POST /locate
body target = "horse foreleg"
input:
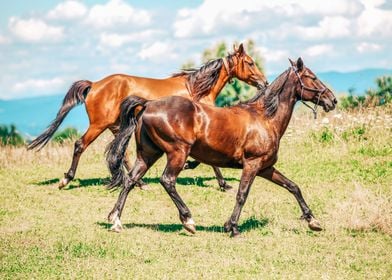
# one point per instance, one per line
(80, 146)
(174, 166)
(248, 175)
(278, 178)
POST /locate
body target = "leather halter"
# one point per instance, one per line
(226, 64)
(319, 93)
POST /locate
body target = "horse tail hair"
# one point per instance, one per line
(75, 95)
(115, 151)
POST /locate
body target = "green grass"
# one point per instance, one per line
(346, 180)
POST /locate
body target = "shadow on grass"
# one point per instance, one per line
(77, 183)
(81, 183)
(248, 225)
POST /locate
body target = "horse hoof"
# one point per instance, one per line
(314, 225)
(116, 228)
(189, 225)
(227, 227)
(64, 182)
(144, 187)
(226, 187)
(235, 234)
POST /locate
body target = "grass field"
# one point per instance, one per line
(343, 164)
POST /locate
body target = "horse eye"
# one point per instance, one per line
(251, 63)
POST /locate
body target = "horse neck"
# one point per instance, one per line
(217, 87)
(285, 109)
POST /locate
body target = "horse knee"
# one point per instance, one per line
(78, 146)
(292, 188)
(167, 183)
(241, 198)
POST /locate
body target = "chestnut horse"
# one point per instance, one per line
(245, 136)
(102, 99)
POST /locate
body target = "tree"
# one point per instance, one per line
(382, 94)
(237, 90)
(10, 136)
(372, 97)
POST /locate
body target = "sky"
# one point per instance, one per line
(46, 45)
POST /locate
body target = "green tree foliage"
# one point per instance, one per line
(10, 136)
(69, 133)
(236, 91)
(373, 97)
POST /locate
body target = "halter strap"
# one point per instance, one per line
(225, 61)
(316, 90)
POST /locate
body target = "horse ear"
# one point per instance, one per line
(291, 62)
(235, 48)
(241, 49)
(300, 64)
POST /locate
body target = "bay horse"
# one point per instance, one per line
(244, 136)
(103, 98)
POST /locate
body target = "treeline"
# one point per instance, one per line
(9, 135)
(379, 96)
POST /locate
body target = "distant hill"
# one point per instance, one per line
(32, 115)
(360, 81)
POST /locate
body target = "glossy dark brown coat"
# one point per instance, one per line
(103, 98)
(246, 136)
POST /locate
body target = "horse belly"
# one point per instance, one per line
(207, 154)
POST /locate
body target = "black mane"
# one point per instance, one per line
(270, 95)
(201, 80)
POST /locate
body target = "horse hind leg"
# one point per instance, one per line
(127, 164)
(142, 164)
(80, 146)
(223, 185)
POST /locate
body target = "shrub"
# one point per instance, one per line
(66, 134)
(323, 136)
(373, 97)
(358, 133)
(10, 136)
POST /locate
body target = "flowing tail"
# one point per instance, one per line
(115, 152)
(75, 95)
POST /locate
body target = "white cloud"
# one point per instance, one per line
(69, 9)
(318, 50)
(328, 27)
(39, 84)
(365, 47)
(375, 22)
(34, 30)
(157, 52)
(4, 40)
(211, 15)
(116, 40)
(273, 55)
(117, 12)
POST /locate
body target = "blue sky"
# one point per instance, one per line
(46, 45)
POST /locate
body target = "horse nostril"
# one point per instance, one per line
(335, 101)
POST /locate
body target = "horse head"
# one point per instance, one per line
(310, 88)
(241, 65)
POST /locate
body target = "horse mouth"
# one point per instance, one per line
(328, 107)
(262, 86)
